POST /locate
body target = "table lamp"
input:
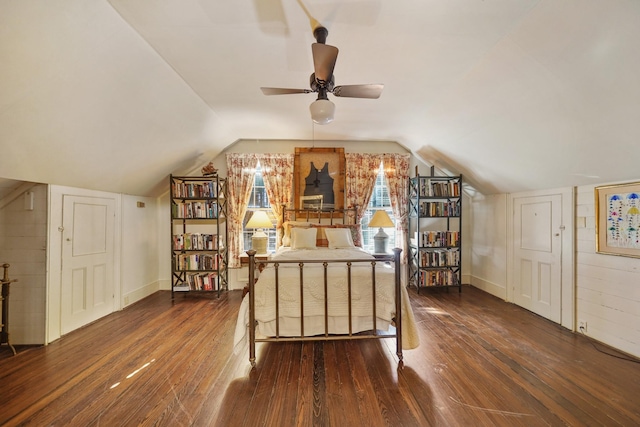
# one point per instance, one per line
(259, 221)
(382, 220)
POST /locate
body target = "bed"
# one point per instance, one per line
(320, 285)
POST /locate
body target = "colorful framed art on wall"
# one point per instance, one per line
(618, 219)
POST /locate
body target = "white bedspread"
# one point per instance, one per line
(313, 297)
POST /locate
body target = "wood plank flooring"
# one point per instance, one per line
(481, 362)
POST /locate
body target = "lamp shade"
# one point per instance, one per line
(381, 219)
(259, 219)
(259, 241)
(322, 111)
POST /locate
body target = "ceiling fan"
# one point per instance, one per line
(322, 81)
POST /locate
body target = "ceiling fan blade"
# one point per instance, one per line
(371, 91)
(324, 59)
(282, 91)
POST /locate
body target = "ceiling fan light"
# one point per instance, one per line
(322, 111)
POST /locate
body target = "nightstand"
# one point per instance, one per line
(244, 263)
(244, 260)
(385, 258)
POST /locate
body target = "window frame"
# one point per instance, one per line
(262, 204)
(383, 193)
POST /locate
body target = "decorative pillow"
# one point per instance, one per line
(356, 233)
(287, 226)
(354, 229)
(339, 238)
(303, 238)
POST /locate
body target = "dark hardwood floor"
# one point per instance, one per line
(482, 362)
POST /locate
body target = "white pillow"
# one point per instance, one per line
(288, 226)
(303, 238)
(339, 238)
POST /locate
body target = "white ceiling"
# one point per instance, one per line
(516, 95)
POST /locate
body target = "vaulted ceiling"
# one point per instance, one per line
(516, 95)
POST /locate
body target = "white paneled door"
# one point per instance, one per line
(88, 286)
(537, 254)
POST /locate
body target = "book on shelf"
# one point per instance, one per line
(195, 241)
(198, 261)
(440, 258)
(204, 189)
(435, 209)
(205, 209)
(436, 239)
(438, 278)
(202, 281)
(434, 187)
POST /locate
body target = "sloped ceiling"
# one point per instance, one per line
(516, 95)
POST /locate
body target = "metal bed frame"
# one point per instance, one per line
(374, 333)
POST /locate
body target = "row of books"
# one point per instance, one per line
(198, 282)
(440, 258)
(189, 210)
(205, 189)
(436, 239)
(196, 241)
(438, 278)
(196, 261)
(450, 208)
(429, 188)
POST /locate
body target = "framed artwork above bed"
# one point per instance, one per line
(319, 178)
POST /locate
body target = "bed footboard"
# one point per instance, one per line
(392, 260)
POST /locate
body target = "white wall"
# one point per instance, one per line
(163, 214)
(140, 251)
(608, 286)
(23, 237)
(489, 244)
(135, 245)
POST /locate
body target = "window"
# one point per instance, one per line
(379, 201)
(259, 201)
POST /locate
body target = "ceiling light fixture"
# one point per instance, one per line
(322, 111)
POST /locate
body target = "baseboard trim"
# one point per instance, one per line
(489, 287)
(140, 293)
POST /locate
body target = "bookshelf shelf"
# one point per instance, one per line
(199, 254)
(435, 225)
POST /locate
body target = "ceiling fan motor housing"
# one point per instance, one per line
(320, 34)
(316, 84)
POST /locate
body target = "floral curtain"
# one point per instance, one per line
(362, 171)
(396, 171)
(277, 172)
(241, 169)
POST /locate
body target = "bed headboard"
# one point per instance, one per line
(321, 219)
(321, 216)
